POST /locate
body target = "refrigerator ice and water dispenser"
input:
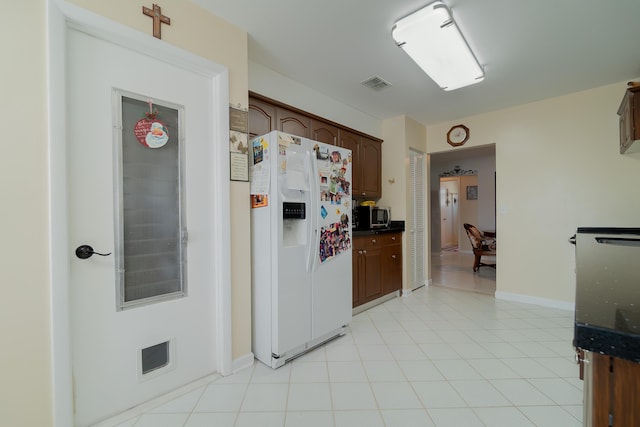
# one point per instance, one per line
(294, 231)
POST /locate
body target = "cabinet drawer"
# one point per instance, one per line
(391, 238)
(393, 254)
(368, 242)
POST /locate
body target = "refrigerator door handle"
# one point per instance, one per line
(314, 208)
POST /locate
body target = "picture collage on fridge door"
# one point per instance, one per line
(335, 201)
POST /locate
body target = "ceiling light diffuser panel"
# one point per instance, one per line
(432, 39)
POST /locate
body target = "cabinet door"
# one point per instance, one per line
(626, 400)
(626, 121)
(367, 270)
(372, 280)
(371, 166)
(262, 118)
(351, 141)
(324, 132)
(601, 389)
(629, 112)
(294, 123)
(391, 268)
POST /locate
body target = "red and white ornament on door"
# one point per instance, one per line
(151, 132)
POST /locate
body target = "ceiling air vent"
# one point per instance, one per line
(376, 83)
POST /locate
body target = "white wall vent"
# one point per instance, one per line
(376, 83)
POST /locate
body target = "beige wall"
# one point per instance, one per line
(25, 358)
(558, 168)
(394, 179)
(274, 85)
(400, 134)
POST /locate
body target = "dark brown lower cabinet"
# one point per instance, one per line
(392, 263)
(377, 266)
(367, 277)
(612, 391)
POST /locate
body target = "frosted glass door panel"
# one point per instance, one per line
(151, 255)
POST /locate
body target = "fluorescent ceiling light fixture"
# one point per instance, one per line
(432, 39)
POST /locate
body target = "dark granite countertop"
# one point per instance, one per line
(394, 227)
(611, 342)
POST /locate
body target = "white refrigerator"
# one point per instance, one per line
(301, 245)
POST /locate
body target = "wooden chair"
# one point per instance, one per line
(482, 245)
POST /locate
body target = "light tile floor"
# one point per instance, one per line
(440, 357)
(453, 269)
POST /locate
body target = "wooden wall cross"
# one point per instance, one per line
(158, 18)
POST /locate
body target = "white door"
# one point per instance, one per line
(449, 212)
(416, 240)
(108, 341)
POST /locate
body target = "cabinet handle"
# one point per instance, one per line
(579, 360)
(393, 238)
(393, 256)
(364, 251)
(373, 241)
(360, 252)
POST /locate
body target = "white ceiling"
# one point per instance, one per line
(530, 50)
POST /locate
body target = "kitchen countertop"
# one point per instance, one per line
(611, 330)
(611, 342)
(394, 227)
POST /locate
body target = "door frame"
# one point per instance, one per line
(61, 16)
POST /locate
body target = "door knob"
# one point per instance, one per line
(85, 251)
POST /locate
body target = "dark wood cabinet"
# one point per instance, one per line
(292, 122)
(377, 266)
(370, 159)
(629, 113)
(266, 115)
(367, 275)
(611, 391)
(351, 141)
(262, 118)
(367, 165)
(392, 263)
(324, 132)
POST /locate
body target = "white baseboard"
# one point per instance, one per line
(242, 362)
(408, 292)
(366, 306)
(239, 364)
(147, 406)
(545, 302)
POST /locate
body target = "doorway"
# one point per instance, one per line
(465, 179)
(154, 359)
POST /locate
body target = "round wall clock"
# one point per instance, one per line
(457, 135)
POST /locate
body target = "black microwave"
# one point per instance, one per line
(371, 217)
